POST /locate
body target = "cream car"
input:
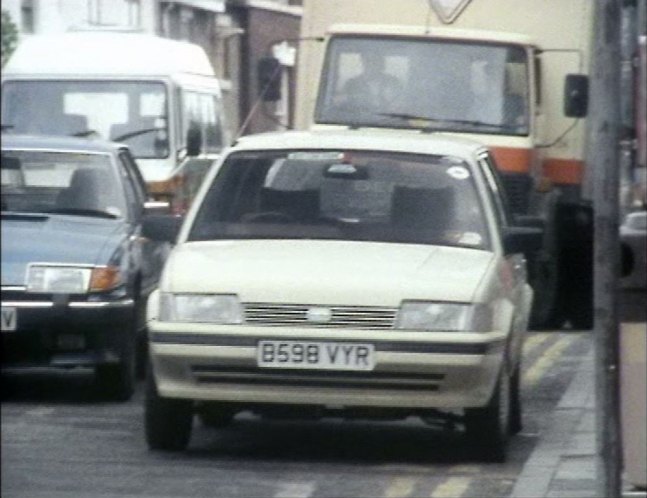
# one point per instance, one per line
(347, 274)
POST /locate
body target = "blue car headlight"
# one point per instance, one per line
(71, 279)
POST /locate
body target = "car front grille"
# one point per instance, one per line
(302, 315)
(206, 374)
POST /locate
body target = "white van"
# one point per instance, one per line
(159, 96)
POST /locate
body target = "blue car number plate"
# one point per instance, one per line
(315, 355)
(8, 319)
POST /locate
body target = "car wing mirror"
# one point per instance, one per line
(526, 240)
(157, 207)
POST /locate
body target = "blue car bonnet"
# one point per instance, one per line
(55, 239)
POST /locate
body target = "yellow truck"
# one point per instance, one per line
(511, 74)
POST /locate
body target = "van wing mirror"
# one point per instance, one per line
(269, 79)
(193, 141)
(576, 95)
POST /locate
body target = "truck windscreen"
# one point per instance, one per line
(465, 87)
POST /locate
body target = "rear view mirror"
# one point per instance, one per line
(576, 95)
(269, 79)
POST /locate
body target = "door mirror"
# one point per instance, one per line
(576, 95)
(157, 207)
(161, 228)
(193, 141)
(526, 240)
(269, 79)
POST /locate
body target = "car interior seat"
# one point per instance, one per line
(424, 209)
(72, 124)
(301, 205)
(84, 191)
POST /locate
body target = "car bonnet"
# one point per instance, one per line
(54, 239)
(331, 272)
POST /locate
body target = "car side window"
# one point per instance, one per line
(135, 175)
(135, 197)
(495, 190)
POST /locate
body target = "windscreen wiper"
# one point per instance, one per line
(83, 212)
(439, 121)
(86, 133)
(135, 133)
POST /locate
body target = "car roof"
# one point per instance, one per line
(374, 139)
(43, 142)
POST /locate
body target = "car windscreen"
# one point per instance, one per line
(61, 182)
(343, 195)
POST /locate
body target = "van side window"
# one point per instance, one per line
(203, 110)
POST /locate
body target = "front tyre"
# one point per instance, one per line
(167, 421)
(516, 423)
(488, 428)
(117, 382)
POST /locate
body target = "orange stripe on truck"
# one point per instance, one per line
(564, 171)
(512, 160)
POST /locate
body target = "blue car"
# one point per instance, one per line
(76, 270)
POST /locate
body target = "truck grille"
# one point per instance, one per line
(303, 315)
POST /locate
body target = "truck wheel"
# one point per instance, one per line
(488, 428)
(581, 310)
(576, 248)
(546, 311)
(167, 421)
(117, 382)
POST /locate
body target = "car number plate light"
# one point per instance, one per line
(315, 355)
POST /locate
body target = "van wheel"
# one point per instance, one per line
(167, 421)
(488, 428)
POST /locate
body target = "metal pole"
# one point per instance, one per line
(603, 153)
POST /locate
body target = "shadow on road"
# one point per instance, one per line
(56, 387)
(352, 442)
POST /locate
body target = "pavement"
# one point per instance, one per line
(564, 462)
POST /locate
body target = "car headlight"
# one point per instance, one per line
(71, 279)
(205, 308)
(438, 316)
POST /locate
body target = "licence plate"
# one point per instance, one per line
(315, 355)
(8, 319)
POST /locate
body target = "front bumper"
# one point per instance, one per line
(412, 369)
(65, 334)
